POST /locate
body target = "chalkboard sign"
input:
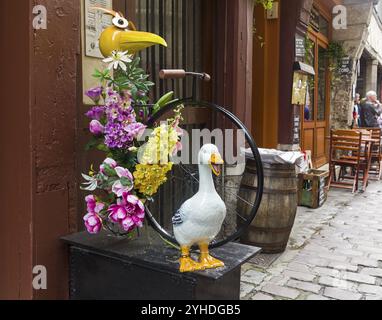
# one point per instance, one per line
(346, 66)
(300, 47)
(296, 129)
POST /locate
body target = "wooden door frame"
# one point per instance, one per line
(319, 40)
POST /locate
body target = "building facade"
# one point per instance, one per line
(44, 129)
(306, 32)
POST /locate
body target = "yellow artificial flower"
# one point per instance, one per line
(160, 146)
(149, 178)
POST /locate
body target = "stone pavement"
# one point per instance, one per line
(335, 252)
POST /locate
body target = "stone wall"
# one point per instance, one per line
(353, 38)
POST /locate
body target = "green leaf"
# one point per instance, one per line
(126, 182)
(103, 147)
(109, 170)
(164, 101)
(93, 143)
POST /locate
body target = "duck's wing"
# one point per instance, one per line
(178, 218)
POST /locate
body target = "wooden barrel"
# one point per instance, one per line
(273, 224)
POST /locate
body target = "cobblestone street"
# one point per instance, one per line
(334, 252)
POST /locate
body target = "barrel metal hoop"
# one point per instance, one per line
(270, 191)
(273, 174)
(270, 248)
(272, 230)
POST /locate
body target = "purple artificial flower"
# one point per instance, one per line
(93, 223)
(96, 128)
(127, 98)
(129, 212)
(96, 113)
(113, 98)
(125, 184)
(116, 113)
(94, 93)
(136, 130)
(117, 137)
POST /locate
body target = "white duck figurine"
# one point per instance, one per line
(200, 219)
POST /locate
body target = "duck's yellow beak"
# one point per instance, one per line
(216, 162)
(135, 41)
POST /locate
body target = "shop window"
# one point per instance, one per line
(309, 105)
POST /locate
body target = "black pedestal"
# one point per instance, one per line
(103, 267)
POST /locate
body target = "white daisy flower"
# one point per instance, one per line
(118, 59)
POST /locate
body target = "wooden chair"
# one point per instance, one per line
(376, 153)
(346, 152)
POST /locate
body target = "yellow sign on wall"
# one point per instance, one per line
(300, 87)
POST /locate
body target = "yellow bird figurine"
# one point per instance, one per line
(123, 36)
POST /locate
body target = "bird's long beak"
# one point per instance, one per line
(135, 41)
(216, 162)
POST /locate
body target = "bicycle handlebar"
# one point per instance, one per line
(181, 74)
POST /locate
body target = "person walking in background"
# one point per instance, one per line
(371, 110)
(357, 111)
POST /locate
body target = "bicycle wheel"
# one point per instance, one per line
(183, 181)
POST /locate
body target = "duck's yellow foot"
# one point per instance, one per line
(209, 262)
(189, 265)
(186, 263)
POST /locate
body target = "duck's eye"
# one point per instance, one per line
(120, 22)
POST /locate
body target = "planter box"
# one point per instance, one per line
(103, 267)
(313, 189)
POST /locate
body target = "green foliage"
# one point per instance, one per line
(133, 79)
(267, 4)
(335, 55)
(309, 45)
(102, 76)
(136, 80)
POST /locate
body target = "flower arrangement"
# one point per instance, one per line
(133, 169)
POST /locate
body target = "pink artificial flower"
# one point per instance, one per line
(110, 162)
(96, 128)
(129, 212)
(178, 147)
(124, 173)
(93, 223)
(125, 184)
(94, 206)
(118, 212)
(92, 220)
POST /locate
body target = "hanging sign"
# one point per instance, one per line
(95, 23)
(346, 66)
(315, 19)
